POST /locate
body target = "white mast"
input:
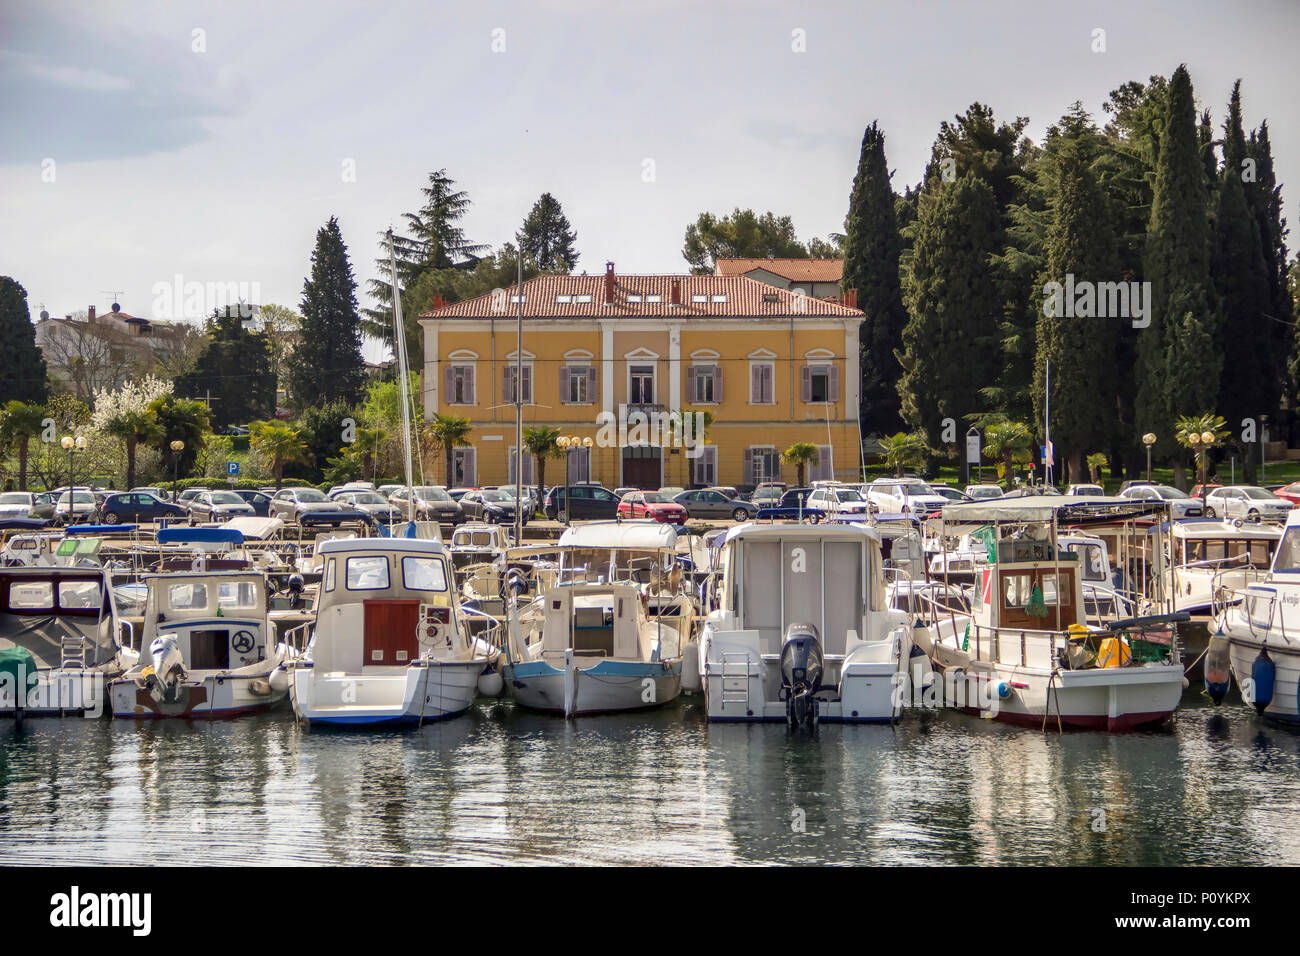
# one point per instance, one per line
(399, 340)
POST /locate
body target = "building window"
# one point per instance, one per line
(579, 465)
(508, 384)
(824, 469)
(704, 384)
(527, 478)
(462, 467)
(704, 469)
(577, 384)
(761, 389)
(460, 385)
(762, 463)
(641, 389)
(821, 384)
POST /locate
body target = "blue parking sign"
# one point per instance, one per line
(232, 467)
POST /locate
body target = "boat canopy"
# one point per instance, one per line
(811, 532)
(624, 536)
(254, 528)
(409, 545)
(1066, 509)
(1218, 529)
(231, 536)
(97, 529)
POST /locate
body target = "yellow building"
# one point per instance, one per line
(772, 366)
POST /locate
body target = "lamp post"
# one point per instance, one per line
(177, 447)
(563, 514)
(70, 445)
(1149, 439)
(1207, 440)
(1263, 441)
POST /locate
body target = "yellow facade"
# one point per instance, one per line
(808, 391)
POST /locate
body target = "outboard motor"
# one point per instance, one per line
(163, 679)
(296, 585)
(801, 674)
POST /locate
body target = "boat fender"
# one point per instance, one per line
(1263, 672)
(1217, 668)
(490, 683)
(260, 687)
(279, 680)
(691, 667)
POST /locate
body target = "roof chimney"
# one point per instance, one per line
(675, 295)
(90, 314)
(438, 302)
(851, 298)
(609, 283)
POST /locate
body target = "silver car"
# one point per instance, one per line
(371, 503)
(17, 504)
(1246, 501)
(295, 504)
(218, 506)
(432, 503)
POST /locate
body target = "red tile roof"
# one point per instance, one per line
(796, 270)
(744, 298)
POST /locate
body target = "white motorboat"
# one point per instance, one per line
(803, 631)
(387, 645)
(207, 649)
(61, 641)
(1206, 556)
(1025, 653)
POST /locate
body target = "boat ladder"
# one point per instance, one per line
(735, 680)
(72, 652)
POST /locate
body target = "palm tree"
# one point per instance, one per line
(184, 420)
(366, 448)
(902, 449)
(1190, 432)
(540, 442)
(448, 432)
(1095, 464)
(134, 427)
(1005, 439)
(20, 422)
(279, 444)
(800, 454)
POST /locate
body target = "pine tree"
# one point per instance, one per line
(1081, 348)
(434, 241)
(327, 364)
(22, 366)
(950, 343)
(233, 373)
(871, 250)
(548, 238)
(1179, 364)
(1250, 382)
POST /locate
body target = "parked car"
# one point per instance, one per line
(1290, 492)
(1181, 504)
(909, 496)
(766, 496)
(189, 494)
(218, 506)
(1135, 482)
(672, 491)
(712, 503)
(793, 505)
(371, 503)
(1086, 490)
(491, 505)
(581, 503)
(159, 493)
(74, 507)
(651, 504)
(455, 494)
(17, 504)
(1199, 491)
(984, 492)
(259, 501)
(43, 506)
(309, 506)
(620, 492)
(1246, 501)
(840, 500)
(137, 506)
(387, 490)
(432, 503)
(951, 493)
(529, 496)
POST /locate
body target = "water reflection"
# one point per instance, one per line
(504, 785)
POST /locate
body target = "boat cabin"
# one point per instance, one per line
(218, 619)
(64, 617)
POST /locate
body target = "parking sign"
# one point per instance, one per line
(232, 468)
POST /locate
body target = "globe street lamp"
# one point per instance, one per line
(177, 447)
(563, 513)
(1207, 439)
(1149, 439)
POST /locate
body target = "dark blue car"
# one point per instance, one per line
(260, 501)
(136, 506)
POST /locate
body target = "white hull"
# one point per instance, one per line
(603, 688)
(380, 695)
(1242, 651)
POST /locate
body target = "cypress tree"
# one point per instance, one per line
(235, 370)
(1249, 386)
(1080, 347)
(950, 344)
(22, 366)
(327, 365)
(1179, 364)
(871, 250)
(1264, 198)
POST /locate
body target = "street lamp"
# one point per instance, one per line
(177, 447)
(1149, 439)
(70, 445)
(1207, 439)
(569, 443)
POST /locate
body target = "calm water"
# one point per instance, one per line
(501, 785)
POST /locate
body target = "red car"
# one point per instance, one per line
(1197, 489)
(651, 504)
(1290, 492)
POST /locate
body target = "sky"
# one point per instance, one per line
(149, 146)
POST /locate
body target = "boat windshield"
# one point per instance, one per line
(1288, 552)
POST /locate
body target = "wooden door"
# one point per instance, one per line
(390, 627)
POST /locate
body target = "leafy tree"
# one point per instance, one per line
(1189, 431)
(125, 414)
(742, 234)
(500, 270)
(183, 420)
(327, 364)
(22, 366)
(234, 373)
(903, 449)
(1096, 462)
(800, 454)
(20, 422)
(547, 237)
(1006, 439)
(323, 428)
(872, 247)
(279, 444)
(446, 433)
(950, 343)
(540, 443)
(1179, 365)
(282, 328)
(365, 450)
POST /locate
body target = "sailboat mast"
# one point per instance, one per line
(399, 339)
(519, 404)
